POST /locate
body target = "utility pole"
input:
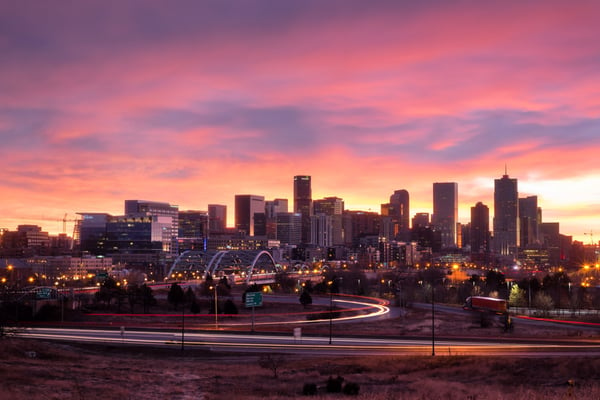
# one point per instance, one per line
(432, 320)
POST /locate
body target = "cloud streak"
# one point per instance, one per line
(202, 100)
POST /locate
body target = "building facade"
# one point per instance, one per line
(217, 218)
(158, 209)
(506, 216)
(303, 203)
(246, 206)
(445, 212)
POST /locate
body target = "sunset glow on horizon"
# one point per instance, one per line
(193, 102)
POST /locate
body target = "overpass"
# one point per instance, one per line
(242, 266)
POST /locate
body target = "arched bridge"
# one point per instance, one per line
(248, 266)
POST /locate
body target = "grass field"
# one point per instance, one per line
(61, 371)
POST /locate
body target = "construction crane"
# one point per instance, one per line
(64, 221)
(591, 235)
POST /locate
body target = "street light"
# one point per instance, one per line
(432, 319)
(330, 284)
(216, 307)
(182, 324)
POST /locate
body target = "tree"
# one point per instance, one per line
(229, 307)
(272, 362)
(176, 295)
(556, 286)
(133, 293)
(190, 296)
(517, 297)
(305, 298)
(543, 302)
(195, 307)
(495, 281)
(147, 296)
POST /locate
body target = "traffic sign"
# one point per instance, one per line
(253, 299)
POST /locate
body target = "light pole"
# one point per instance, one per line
(330, 283)
(432, 319)
(216, 307)
(330, 311)
(182, 323)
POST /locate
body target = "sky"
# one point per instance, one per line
(192, 102)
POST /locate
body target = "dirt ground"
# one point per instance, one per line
(42, 370)
(47, 370)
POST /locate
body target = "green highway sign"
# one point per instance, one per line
(253, 299)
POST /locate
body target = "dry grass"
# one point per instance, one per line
(67, 372)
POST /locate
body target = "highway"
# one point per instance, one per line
(341, 346)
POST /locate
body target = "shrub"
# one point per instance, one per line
(351, 389)
(334, 385)
(309, 389)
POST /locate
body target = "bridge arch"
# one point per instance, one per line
(195, 262)
(244, 263)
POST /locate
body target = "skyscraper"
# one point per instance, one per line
(480, 229)
(530, 218)
(217, 217)
(193, 230)
(246, 206)
(272, 209)
(303, 203)
(333, 207)
(506, 216)
(445, 211)
(157, 209)
(289, 227)
(398, 211)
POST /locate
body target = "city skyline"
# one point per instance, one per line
(196, 103)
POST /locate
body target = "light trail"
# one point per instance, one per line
(310, 345)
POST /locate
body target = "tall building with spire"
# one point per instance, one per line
(445, 212)
(506, 216)
(303, 203)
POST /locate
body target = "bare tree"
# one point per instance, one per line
(272, 362)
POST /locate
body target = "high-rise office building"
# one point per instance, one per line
(333, 207)
(272, 208)
(530, 218)
(445, 211)
(289, 227)
(321, 230)
(398, 211)
(217, 218)
(154, 208)
(506, 216)
(329, 206)
(359, 224)
(193, 230)
(480, 229)
(420, 220)
(138, 233)
(303, 203)
(246, 206)
(92, 229)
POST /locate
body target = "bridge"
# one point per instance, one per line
(242, 266)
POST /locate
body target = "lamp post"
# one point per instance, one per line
(216, 307)
(330, 311)
(330, 283)
(182, 324)
(432, 319)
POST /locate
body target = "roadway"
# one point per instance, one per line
(340, 346)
